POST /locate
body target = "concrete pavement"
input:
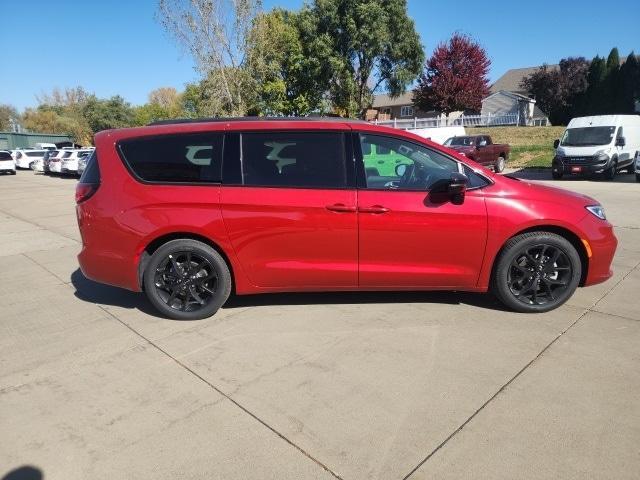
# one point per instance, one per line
(350, 386)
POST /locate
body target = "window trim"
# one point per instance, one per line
(234, 165)
(141, 180)
(361, 183)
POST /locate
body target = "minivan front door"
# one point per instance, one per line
(292, 217)
(406, 240)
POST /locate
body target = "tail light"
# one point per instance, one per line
(84, 191)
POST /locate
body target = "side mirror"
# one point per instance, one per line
(483, 143)
(556, 143)
(449, 189)
(401, 169)
(621, 142)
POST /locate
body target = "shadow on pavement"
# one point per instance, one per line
(93, 292)
(26, 472)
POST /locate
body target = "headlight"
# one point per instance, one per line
(597, 210)
(602, 156)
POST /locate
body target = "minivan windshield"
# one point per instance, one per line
(587, 136)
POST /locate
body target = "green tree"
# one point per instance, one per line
(287, 80)
(610, 96)
(8, 115)
(593, 102)
(627, 85)
(103, 114)
(361, 45)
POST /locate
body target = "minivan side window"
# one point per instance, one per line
(186, 158)
(407, 166)
(294, 159)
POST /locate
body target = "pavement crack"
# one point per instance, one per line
(587, 310)
(223, 394)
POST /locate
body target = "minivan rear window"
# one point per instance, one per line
(189, 158)
(91, 173)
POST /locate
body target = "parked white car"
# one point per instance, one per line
(637, 166)
(24, 158)
(7, 163)
(38, 165)
(69, 163)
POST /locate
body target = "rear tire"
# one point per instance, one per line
(500, 164)
(556, 175)
(187, 280)
(536, 272)
(637, 177)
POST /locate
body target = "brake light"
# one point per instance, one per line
(84, 191)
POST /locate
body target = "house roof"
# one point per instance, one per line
(385, 100)
(514, 95)
(512, 79)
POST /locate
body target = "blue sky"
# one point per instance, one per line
(117, 47)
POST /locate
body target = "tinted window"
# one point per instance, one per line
(191, 158)
(294, 159)
(407, 166)
(66, 154)
(475, 180)
(5, 156)
(91, 173)
(35, 154)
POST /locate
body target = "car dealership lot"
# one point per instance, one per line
(431, 385)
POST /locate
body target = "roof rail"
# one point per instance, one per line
(257, 119)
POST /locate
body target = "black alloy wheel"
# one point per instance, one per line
(539, 274)
(536, 272)
(187, 280)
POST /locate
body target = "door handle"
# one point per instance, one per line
(374, 209)
(340, 207)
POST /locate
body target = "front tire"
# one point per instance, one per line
(637, 177)
(556, 175)
(610, 173)
(536, 272)
(187, 280)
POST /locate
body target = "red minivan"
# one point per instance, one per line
(188, 211)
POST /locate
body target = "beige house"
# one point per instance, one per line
(386, 107)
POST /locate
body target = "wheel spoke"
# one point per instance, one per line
(523, 269)
(196, 297)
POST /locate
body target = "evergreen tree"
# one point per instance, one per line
(610, 97)
(627, 89)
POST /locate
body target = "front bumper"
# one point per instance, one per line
(602, 243)
(566, 166)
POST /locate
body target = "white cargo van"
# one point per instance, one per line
(604, 144)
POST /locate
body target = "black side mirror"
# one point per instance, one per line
(449, 189)
(621, 142)
(556, 143)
